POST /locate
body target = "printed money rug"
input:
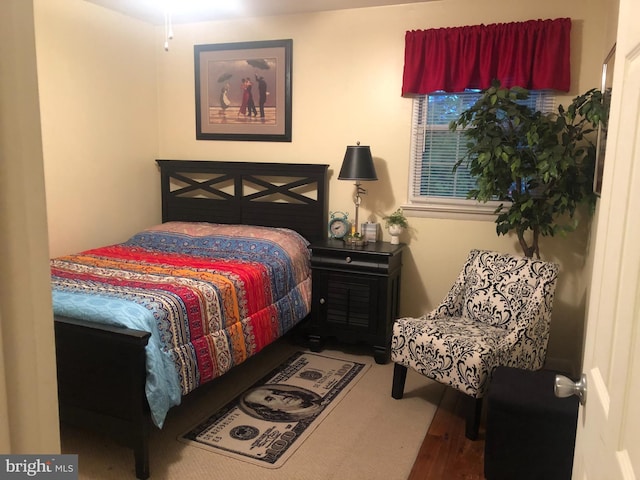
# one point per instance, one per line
(265, 424)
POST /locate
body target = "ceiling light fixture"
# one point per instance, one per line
(189, 11)
(168, 29)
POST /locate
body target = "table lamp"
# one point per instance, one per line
(357, 165)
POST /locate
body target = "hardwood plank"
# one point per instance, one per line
(446, 454)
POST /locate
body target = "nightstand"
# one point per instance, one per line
(356, 294)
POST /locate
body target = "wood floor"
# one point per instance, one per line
(446, 454)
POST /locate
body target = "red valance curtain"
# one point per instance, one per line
(532, 54)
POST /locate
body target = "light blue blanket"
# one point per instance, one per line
(163, 385)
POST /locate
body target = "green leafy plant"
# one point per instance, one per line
(541, 164)
(396, 218)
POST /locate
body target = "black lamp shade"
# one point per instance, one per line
(357, 164)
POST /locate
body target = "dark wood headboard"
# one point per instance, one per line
(292, 195)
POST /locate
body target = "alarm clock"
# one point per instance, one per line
(339, 225)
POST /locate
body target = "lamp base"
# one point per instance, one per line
(355, 241)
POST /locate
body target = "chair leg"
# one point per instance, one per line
(474, 413)
(399, 377)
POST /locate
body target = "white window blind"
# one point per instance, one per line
(435, 149)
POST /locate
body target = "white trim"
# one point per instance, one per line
(458, 209)
(625, 465)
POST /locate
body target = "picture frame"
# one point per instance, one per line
(243, 91)
(601, 139)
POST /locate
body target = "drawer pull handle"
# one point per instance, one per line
(322, 301)
(348, 259)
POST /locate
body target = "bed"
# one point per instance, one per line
(140, 324)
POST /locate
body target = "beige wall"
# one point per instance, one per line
(28, 389)
(113, 101)
(97, 77)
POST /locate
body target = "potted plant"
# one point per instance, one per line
(396, 223)
(540, 166)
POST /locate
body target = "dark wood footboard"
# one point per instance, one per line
(101, 383)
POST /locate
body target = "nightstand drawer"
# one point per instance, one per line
(376, 257)
(354, 261)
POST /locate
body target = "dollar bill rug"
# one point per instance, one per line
(265, 424)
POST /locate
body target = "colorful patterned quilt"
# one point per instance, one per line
(211, 295)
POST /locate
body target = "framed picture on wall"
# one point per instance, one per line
(243, 91)
(601, 142)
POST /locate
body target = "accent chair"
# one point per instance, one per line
(497, 313)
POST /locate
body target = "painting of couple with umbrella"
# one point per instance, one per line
(243, 91)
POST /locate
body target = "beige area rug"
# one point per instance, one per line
(368, 435)
(265, 424)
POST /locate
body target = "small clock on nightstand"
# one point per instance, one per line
(339, 225)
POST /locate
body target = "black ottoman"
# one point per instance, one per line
(530, 432)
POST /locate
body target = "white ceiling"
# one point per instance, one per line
(152, 11)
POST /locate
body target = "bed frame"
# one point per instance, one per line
(101, 369)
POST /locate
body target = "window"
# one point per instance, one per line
(435, 149)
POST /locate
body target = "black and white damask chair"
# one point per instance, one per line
(496, 314)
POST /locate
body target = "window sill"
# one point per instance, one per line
(452, 209)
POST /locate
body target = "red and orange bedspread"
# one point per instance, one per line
(211, 295)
